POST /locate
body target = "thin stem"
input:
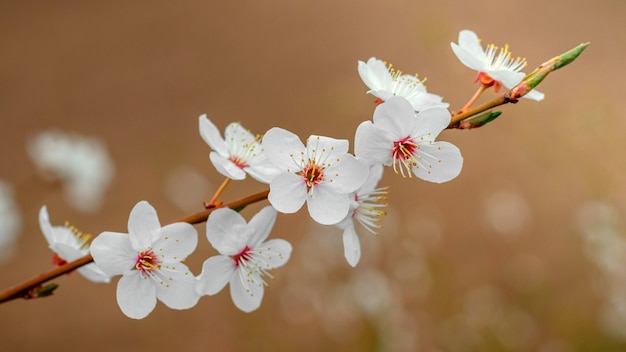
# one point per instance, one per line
(469, 104)
(23, 288)
(218, 193)
(504, 99)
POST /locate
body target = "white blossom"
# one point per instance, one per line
(149, 258)
(238, 153)
(401, 137)
(323, 174)
(245, 256)
(494, 68)
(384, 82)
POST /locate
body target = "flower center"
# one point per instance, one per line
(404, 148)
(403, 153)
(312, 174)
(239, 162)
(147, 261)
(242, 257)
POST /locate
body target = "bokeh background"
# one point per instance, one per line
(524, 251)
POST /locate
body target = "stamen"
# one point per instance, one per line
(147, 261)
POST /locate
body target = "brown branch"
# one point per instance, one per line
(23, 289)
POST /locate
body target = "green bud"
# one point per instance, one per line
(479, 120)
(533, 79)
(41, 291)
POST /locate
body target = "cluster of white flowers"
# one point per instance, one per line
(337, 186)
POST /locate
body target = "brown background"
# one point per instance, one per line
(439, 277)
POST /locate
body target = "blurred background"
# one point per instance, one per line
(524, 251)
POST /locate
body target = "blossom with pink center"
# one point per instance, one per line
(245, 256)
(238, 153)
(384, 82)
(404, 139)
(69, 244)
(149, 258)
(322, 174)
(494, 68)
(365, 209)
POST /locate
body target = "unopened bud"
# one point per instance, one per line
(533, 79)
(41, 291)
(479, 120)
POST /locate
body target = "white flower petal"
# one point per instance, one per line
(216, 273)
(236, 136)
(226, 167)
(326, 147)
(509, 79)
(375, 74)
(56, 234)
(396, 115)
(427, 100)
(177, 288)
(440, 162)
(262, 223)
(68, 252)
(534, 95)
(373, 144)
(176, 241)
(351, 245)
(328, 207)
(283, 149)
(469, 51)
(94, 274)
(136, 296)
(227, 231)
(143, 225)
(211, 135)
(275, 253)
(113, 253)
(374, 175)
(263, 171)
(287, 193)
(45, 225)
(430, 123)
(346, 175)
(246, 291)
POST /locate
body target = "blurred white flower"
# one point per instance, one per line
(81, 163)
(69, 244)
(10, 220)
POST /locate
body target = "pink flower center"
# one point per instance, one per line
(405, 154)
(404, 148)
(240, 163)
(242, 256)
(147, 261)
(312, 175)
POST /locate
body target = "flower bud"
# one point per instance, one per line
(480, 120)
(533, 79)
